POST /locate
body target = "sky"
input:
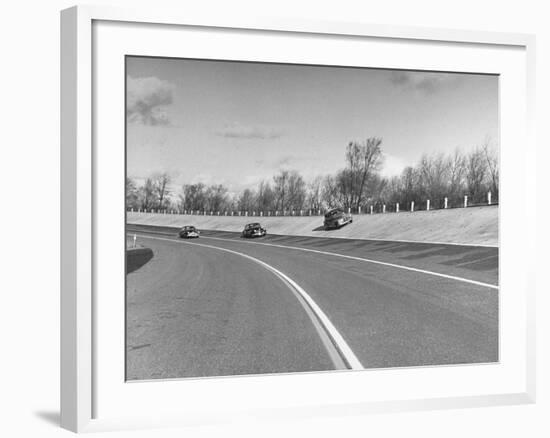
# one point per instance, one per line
(237, 123)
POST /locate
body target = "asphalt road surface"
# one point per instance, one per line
(222, 305)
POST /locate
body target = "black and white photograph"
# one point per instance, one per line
(290, 218)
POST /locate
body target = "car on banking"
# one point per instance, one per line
(253, 230)
(336, 218)
(189, 232)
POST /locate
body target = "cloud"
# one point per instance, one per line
(424, 82)
(147, 99)
(236, 130)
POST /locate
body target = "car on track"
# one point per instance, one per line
(336, 218)
(189, 232)
(254, 230)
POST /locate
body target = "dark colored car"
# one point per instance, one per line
(254, 230)
(189, 232)
(337, 218)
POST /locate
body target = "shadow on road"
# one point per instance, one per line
(136, 258)
(320, 228)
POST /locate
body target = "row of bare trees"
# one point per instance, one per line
(436, 177)
(357, 185)
(154, 194)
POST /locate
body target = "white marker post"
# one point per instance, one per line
(489, 198)
(465, 201)
(428, 205)
(446, 202)
(371, 208)
(412, 206)
(384, 208)
(135, 238)
(397, 207)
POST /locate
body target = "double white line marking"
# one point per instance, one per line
(338, 349)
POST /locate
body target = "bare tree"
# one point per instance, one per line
(314, 193)
(281, 189)
(330, 193)
(476, 171)
(161, 184)
(409, 185)
(193, 197)
(491, 158)
(131, 194)
(216, 197)
(247, 200)
(296, 191)
(457, 170)
(147, 194)
(363, 160)
(433, 173)
(266, 197)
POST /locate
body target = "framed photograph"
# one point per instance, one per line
(281, 218)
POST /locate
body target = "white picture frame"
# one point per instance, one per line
(80, 219)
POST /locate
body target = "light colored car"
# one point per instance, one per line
(189, 232)
(337, 218)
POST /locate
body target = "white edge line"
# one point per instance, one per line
(377, 262)
(337, 338)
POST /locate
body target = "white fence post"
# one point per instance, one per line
(359, 210)
(371, 208)
(489, 198)
(412, 206)
(428, 205)
(384, 208)
(465, 201)
(397, 207)
(446, 202)
(349, 210)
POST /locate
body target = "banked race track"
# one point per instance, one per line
(223, 305)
